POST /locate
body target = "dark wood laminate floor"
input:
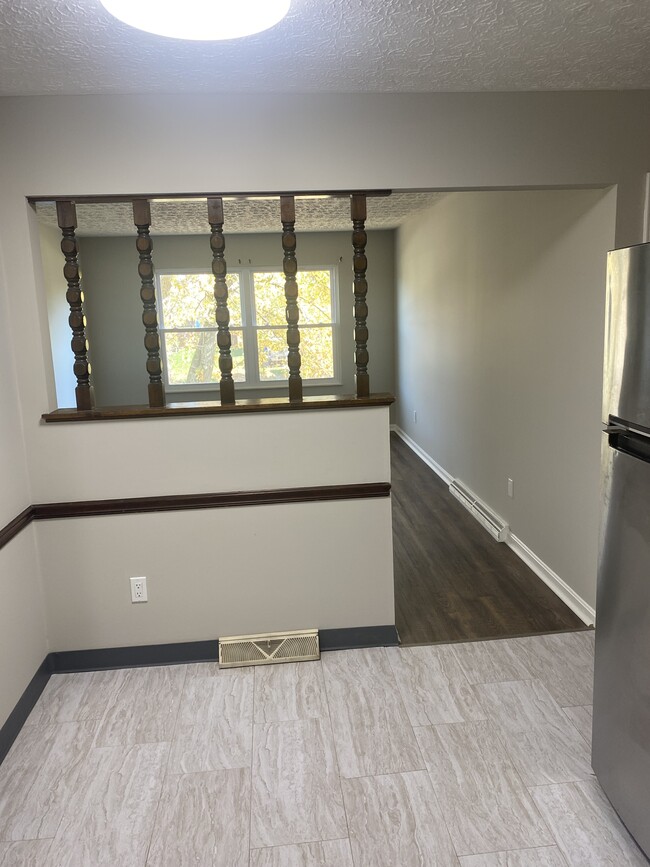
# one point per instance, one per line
(453, 582)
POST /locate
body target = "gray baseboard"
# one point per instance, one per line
(16, 719)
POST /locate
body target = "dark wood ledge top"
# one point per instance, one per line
(210, 407)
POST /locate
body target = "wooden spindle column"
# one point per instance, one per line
(360, 265)
(67, 219)
(220, 269)
(144, 246)
(290, 266)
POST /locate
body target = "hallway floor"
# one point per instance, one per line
(463, 755)
(453, 582)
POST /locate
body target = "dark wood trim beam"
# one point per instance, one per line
(182, 502)
(11, 530)
(100, 200)
(209, 407)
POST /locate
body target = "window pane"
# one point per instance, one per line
(270, 302)
(317, 353)
(193, 357)
(272, 353)
(315, 350)
(188, 300)
(314, 297)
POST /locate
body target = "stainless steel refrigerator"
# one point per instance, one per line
(621, 733)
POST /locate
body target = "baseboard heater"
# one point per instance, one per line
(495, 525)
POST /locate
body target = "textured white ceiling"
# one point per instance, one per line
(242, 215)
(73, 47)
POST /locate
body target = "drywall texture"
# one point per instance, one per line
(500, 329)
(217, 572)
(114, 309)
(14, 489)
(22, 624)
(207, 454)
(23, 645)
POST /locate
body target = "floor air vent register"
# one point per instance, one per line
(270, 647)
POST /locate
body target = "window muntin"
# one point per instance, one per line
(257, 326)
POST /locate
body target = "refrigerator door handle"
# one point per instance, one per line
(614, 428)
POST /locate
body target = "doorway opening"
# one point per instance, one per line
(500, 305)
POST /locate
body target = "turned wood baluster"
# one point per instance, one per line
(290, 266)
(220, 269)
(67, 219)
(144, 246)
(360, 264)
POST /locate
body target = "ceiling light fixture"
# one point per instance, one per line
(199, 19)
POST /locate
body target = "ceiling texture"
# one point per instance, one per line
(336, 46)
(242, 215)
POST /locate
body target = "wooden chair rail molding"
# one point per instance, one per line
(185, 502)
(215, 220)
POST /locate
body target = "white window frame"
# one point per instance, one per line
(249, 329)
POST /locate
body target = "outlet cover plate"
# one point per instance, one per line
(139, 589)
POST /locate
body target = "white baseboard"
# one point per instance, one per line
(567, 594)
(428, 460)
(561, 589)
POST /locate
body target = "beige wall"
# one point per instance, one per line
(85, 145)
(217, 572)
(22, 624)
(114, 308)
(88, 145)
(206, 454)
(23, 643)
(500, 336)
(14, 486)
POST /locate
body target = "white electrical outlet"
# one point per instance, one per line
(511, 488)
(139, 590)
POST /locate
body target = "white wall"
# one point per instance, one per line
(500, 334)
(114, 309)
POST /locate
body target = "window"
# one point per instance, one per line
(186, 310)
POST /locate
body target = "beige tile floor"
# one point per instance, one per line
(466, 755)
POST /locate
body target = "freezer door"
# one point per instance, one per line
(626, 393)
(621, 735)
